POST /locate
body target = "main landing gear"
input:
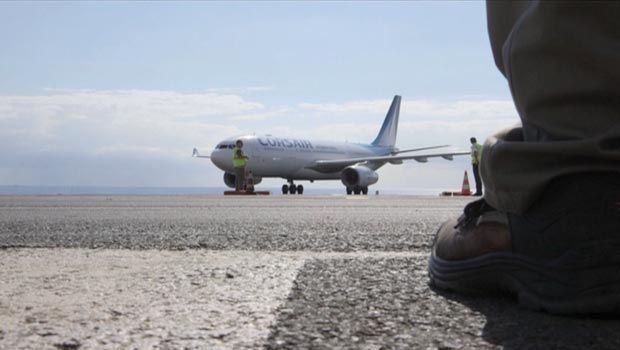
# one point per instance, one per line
(292, 189)
(357, 190)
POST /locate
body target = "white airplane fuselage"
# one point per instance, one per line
(289, 158)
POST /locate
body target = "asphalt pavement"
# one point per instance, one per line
(274, 272)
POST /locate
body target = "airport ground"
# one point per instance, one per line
(277, 272)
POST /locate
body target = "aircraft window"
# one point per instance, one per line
(231, 146)
(222, 146)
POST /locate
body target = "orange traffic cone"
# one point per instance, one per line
(465, 190)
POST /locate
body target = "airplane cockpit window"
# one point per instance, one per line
(225, 146)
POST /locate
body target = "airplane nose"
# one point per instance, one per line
(219, 158)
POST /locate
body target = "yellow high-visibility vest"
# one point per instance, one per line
(238, 162)
(476, 153)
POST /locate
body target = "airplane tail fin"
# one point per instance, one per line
(387, 134)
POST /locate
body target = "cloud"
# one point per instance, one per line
(421, 120)
(123, 104)
(454, 109)
(459, 109)
(116, 121)
(118, 126)
(372, 106)
(241, 90)
(271, 114)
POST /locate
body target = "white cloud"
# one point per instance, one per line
(372, 106)
(271, 113)
(458, 108)
(422, 121)
(241, 90)
(124, 104)
(102, 121)
(140, 124)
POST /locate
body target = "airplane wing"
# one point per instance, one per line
(196, 154)
(333, 165)
(418, 149)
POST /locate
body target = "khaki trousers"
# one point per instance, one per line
(239, 178)
(562, 63)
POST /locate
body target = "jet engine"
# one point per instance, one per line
(229, 180)
(358, 175)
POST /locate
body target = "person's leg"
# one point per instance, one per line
(548, 228)
(477, 178)
(238, 179)
(241, 178)
(561, 62)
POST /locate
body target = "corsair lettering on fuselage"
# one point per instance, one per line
(284, 143)
(295, 159)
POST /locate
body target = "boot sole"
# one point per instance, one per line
(575, 283)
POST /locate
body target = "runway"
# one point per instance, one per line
(277, 272)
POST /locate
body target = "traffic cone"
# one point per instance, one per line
(465, 190)
(249, 182)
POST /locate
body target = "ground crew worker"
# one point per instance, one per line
(239, 162)
(476, 154)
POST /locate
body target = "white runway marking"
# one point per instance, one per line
(108, 299)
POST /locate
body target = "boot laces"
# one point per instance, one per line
(472, 212)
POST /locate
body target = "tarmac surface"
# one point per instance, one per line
(276, 272)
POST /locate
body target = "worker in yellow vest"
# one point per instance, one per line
(240, 160)
(476, 155)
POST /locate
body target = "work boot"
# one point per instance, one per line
(561, 256)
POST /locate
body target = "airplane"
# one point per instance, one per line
(295, 159)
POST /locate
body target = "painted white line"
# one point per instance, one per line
(109, 299)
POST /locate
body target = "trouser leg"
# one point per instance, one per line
(561, 62)
(477, 178)
(239, 178)
(237, 181)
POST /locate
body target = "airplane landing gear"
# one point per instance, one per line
(292, 188)
(357, 190)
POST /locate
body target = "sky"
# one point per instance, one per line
(118, 93)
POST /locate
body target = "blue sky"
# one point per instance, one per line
(118, 93)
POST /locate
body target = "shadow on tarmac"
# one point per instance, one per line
(387, 303)
(515, 328)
